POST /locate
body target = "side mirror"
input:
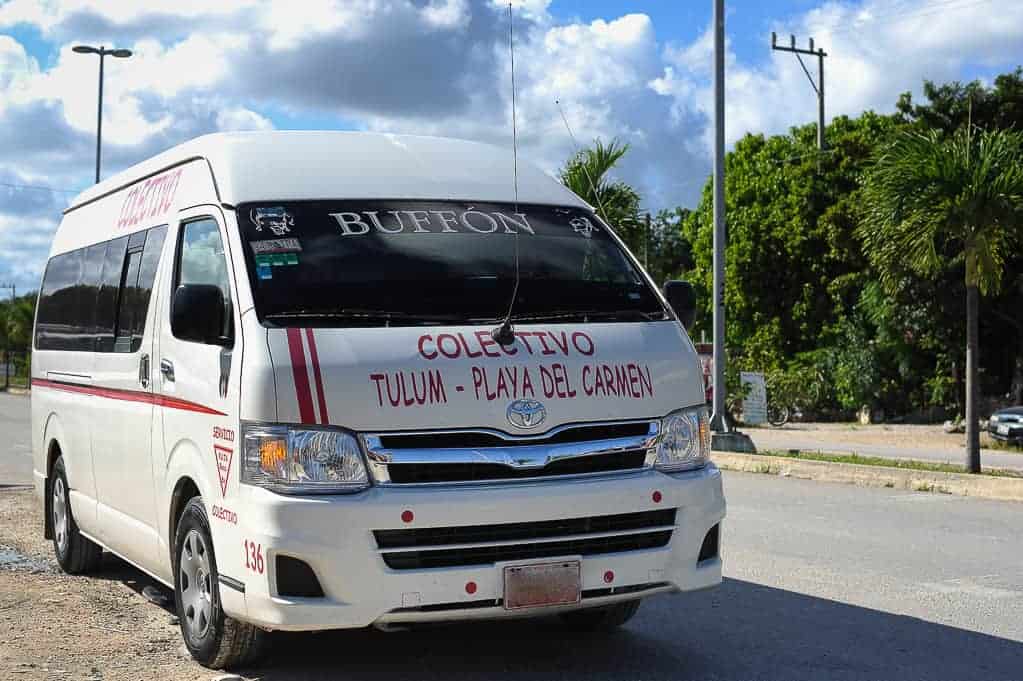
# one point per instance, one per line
(682, 299)
(198, 314)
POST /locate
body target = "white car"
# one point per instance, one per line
(325, 380)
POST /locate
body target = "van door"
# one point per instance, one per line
(122, 414)
(199, 381)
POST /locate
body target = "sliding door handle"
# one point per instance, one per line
(167, 369)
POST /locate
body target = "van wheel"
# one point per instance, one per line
(76, 555)
(213, 639)
(606, 618)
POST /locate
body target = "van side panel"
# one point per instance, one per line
(101, 403)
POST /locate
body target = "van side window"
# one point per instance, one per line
(109, 290)
(201, 260)
(136, 288)
(57, 322)
(95, 298)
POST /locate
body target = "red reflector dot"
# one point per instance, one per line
(656, 496)
(609, 577)
(407, 516)
(470, 588)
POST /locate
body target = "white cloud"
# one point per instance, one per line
(440, 67)
(875, 53)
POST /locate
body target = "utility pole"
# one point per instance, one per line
(102, 51)
(7, 340)
(818, 87)
(719, 421)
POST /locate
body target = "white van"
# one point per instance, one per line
(284, 374)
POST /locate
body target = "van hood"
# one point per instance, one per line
(416, 378)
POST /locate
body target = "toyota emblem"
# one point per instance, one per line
(526, 413)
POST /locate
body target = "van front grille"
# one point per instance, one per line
(485, 456)
(469, 472)
(486, 544)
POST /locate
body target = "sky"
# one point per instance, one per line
(638, 71)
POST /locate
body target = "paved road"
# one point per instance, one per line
(804, 436)
(822, 582)
(15, 446)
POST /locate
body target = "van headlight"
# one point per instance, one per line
(295, 460)
(684, 441)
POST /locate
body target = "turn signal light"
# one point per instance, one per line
(272, 453)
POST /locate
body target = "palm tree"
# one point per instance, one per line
(617, 203)
(931, 201)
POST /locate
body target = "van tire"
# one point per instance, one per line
(75, 554)
(604, 618)
(215, 640)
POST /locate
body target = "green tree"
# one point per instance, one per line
(931, 199)
(20, 314)
(588, 175)
(794, 266)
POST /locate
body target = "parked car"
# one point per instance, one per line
(1006, 425)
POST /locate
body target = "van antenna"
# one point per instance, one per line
(577, 150)
(505, 333)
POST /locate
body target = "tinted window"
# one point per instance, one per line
(375, 263)
(57, 325)
(136, 289)
(202, 261)
(92, 273)
(110, 287)
(96, 298)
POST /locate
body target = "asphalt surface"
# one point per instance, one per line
(803, 436)
(15, 446)
(822, 582)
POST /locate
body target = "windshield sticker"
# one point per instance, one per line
(277, 259)
(470, 221)
(582, 226)
(288, 245)
(275, 218)
(264, 271)
(586, 377)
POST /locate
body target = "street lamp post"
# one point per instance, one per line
(102, 52)
(725, 436)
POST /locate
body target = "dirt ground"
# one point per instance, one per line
(54, 626)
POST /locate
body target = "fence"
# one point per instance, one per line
(15, 366)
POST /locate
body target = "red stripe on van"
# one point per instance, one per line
(324, 419)
(298, 372)
(126, 396)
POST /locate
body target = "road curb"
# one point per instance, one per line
(962, 484)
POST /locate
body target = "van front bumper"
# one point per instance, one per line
(335, 536)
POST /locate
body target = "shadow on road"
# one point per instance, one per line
(740, 631)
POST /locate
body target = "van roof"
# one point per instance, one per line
(308, 165)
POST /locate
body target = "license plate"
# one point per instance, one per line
(1003, 429)
(534, 586)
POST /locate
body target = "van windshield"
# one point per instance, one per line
(408, 263)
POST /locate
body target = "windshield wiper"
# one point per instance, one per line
(386, 317)
(627, 315)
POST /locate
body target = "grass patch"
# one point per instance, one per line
(1003, 446)
(909, 464)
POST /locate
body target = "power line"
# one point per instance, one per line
(39, 187)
